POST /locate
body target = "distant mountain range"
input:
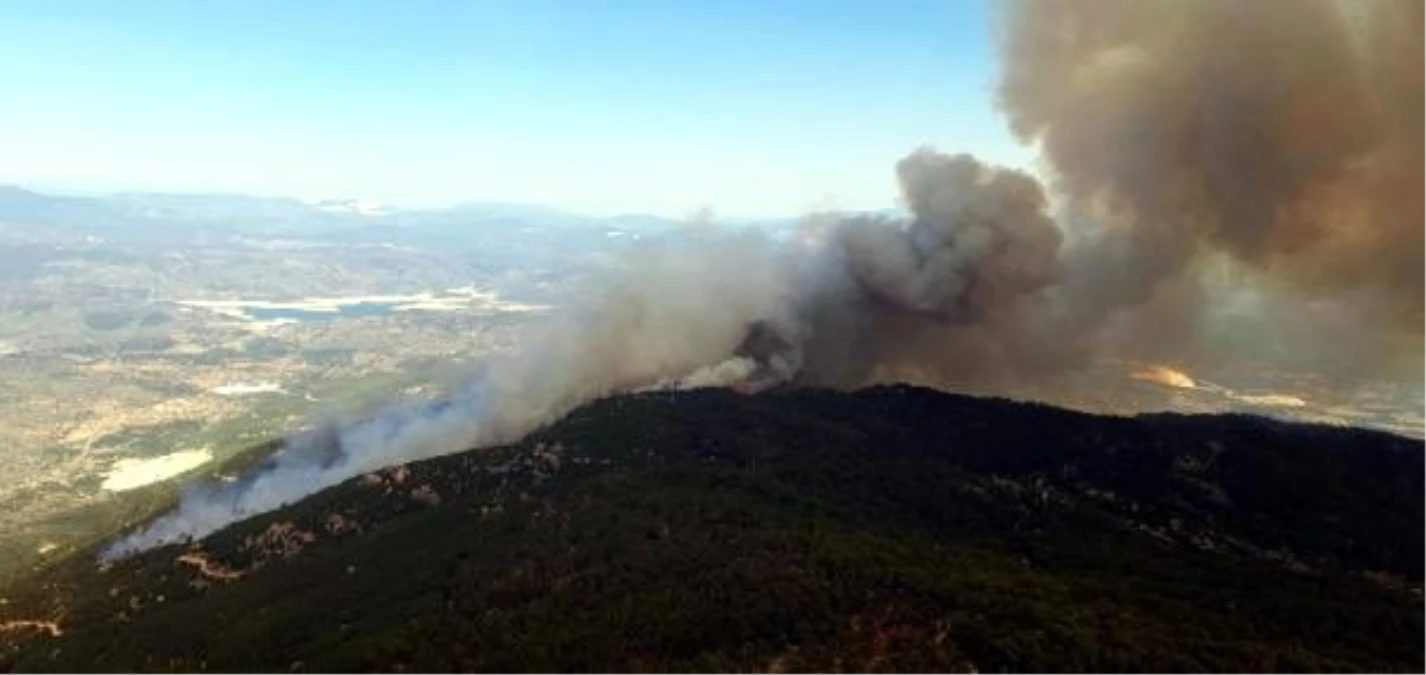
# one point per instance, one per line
(891, 529)
(493, 235)
(279, 215)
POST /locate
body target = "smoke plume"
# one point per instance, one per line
(1285, 135)
(1211, 163)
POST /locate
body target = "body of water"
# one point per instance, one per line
(354, 309)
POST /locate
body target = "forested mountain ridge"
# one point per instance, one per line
(894, 528)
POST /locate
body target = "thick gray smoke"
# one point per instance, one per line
(1271, 148)
(708, 307)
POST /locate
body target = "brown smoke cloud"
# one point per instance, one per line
(1284, 134)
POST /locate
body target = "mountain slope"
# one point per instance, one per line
(891, 529)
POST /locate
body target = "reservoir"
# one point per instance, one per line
(345, 310)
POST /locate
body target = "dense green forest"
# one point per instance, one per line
(890, 529)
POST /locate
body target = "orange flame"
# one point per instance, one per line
(1161, 374)
(50, 627)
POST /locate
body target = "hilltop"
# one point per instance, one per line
(894, 528)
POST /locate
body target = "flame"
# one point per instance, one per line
(50, 627)
(1161, 374)
(1272, 400)
(207, 568)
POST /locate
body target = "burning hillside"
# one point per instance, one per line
(1267, 153)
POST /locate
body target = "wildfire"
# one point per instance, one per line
(207, 568)
(1161, 374)
(1272, 400)
(50, 627)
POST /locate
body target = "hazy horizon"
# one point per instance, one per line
(61, 191)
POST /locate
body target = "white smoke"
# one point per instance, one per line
(675, 306)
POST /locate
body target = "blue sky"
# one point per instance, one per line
(746, 107)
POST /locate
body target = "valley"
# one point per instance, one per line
(133, 354)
